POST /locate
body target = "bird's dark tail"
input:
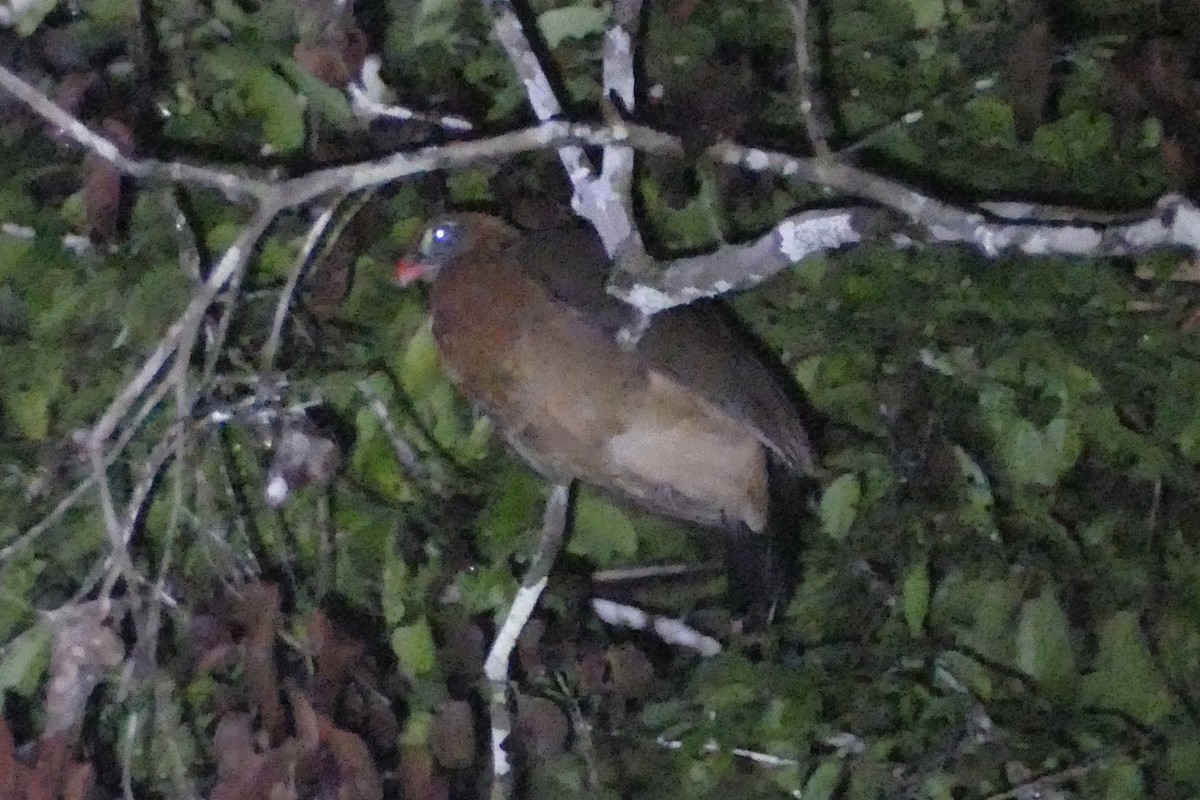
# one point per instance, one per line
(763, 568)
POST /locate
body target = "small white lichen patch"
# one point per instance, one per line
(757, 159)
(1144, 234)
(800, 239)
(1186, 229)
(1037, 244)
(649, 299)
(1078, 241)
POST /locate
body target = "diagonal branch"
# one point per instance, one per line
(182, 334)
(495, 668)
(596, 199)
(808, 101)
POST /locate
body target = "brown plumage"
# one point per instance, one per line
(692, 424)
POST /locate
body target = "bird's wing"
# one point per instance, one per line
(702, 346)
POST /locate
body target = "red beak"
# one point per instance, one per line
(408, 271)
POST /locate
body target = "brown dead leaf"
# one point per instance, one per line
(103, 185)
(358, 777)
(417, 776)
(452, 735)
(1028, 72)
(258, 610)
(337, 655)
(630, 672)
(8, 761)
(333, 56)
(1192, 323)
(206, 632)
(593, 667)
(462, 651)
(529, 646)
(306, 721)
(45, 778)
(72, 90)
(233, 745)
(81, 778)
(542, 727)
(266, 775)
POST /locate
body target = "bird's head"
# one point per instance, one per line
(451, 237)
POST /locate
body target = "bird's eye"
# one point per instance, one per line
(439, 240)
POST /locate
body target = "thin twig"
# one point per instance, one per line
(495, 668)
(190, 260)
(1035, 787)
(595, 199)
(366, 99)
(229, 183)
(670, 630)
(183, 331)
(406, 457)
(315, 232)
(807, 99)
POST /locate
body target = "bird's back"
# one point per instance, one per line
(702, 345)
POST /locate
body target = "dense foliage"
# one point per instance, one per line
(1002, 564)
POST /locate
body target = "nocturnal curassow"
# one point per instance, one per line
(692, 423)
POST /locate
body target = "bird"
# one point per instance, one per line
(693, 423)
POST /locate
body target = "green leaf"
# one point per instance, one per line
(1031, 455)
(374, 460)
(1183, 759)
(270, 99)
(1123, 676)
(1044, 641)
(1122, 781)
(978, 509)
(602, 531)
(17, 582)
(329, 102)
(30, 16)
(228, 12)
(510, 513)
(839, 505)
(413, 646)
(823, 781)
(419, 369)
(572, 22)
(928, 14)
(394, 589)
(434, 22)
(915, 593)
(470, 186)
(29, 413)
(23, 661)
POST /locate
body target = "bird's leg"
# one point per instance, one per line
(495, 668)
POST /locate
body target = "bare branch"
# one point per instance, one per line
(495, 668)
(596, 200)
(229, 183)
(315, 233)
(183, 331)
(808, 101)
(670, 630)
(366, 99)
(185, 235)
(994, 230)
